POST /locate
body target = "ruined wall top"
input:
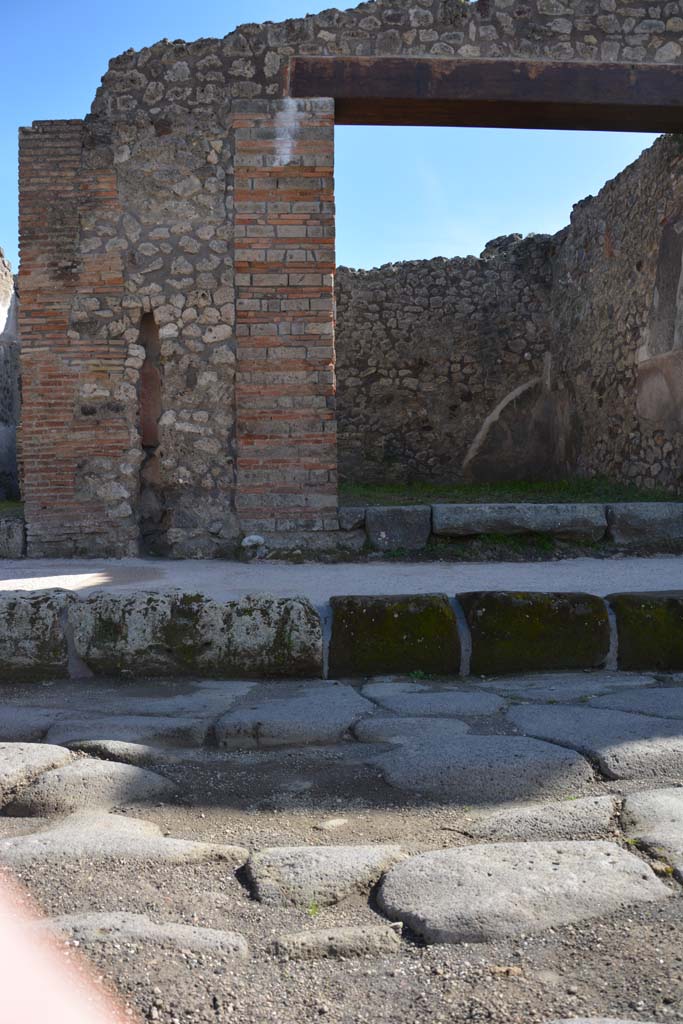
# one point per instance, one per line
(7, 301)
(176, 78)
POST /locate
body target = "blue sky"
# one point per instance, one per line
(402, 193)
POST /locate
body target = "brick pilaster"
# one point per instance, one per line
(55, 440)
(284, 263)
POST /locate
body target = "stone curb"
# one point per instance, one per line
(54, 635)
(651, 525)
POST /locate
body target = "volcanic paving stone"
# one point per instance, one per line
(89, 784)
(380, 635)
(283, 714)
(650, 630)
(590, 818)
(97, 836)
(664, 701)
(121, 927)
(489, 892)
(656, 820)
(473, 769)
(558, 687)
(530, 632)
(625, 746)
(149, 729)
(21, 763)
(399, 731)
(318, 875)
(417, 699)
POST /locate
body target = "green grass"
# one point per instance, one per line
(598, 489)
(11, 508)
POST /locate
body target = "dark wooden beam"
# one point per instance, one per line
(494, 93)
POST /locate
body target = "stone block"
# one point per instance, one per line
(351, 518)
(649, 630)
(533, 632)
(566, 522)
(378, 635)
(401, 527)
(646, 524)
(188, 634)
(12, 537)
(32, 636)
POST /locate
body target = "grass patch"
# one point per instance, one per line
(11, 508)
(598, 489)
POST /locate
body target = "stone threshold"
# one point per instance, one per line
(51, 634)
(413, 527)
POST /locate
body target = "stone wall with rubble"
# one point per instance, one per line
(10, 401)
(131, 215)
(446, 369)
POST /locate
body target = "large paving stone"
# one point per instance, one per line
(655, 818)
(565, 687)
(567, 522)
(646, 524)
(480, 769)
(337, 942)
(88, 784)
(649, 630)
(589, 818)
(97, 836)
(419, 699)
(382, 635)
(24, 725)
(21, 763)
(284, 715)
(431, 733)
(318, 875)
(145, 729)
(396, 528)
(122, 927)
(489, 892)
(626, 746)
(662, 701)
(532, 632)
(32, 638)
(188, 634)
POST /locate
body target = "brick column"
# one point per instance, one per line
(285, 262)
(56, 439)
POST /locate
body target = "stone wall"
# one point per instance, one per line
(617, 308)
(446, 369)
(165, 203)
(10, 399)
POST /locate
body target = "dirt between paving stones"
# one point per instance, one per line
(625, 964)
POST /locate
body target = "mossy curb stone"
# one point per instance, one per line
(383, 635)
(191, 635)
(529, 632)
(650, 629)
(32, 638)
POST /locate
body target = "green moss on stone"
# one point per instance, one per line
(650, 630)
(380, 635)
(525, 632)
